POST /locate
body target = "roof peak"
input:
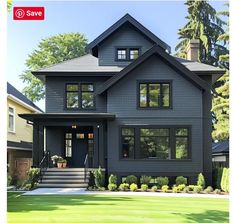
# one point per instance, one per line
(92, 46)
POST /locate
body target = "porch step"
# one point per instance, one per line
(47, 185)
(64, 181)
(65, 170)
(64, 178)
(72, 177)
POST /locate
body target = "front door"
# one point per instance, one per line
(79, 150)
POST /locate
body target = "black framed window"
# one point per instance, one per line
(134, 54)
(127, 53)
(72, 96)
(80, 96)
(155, 95)
(181, 143)
(87, 95)
(127, 142)
(122, 54)
(154, 143)
(68, 144)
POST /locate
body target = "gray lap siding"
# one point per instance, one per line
(55, 94)
(186, 111)
(125, 37)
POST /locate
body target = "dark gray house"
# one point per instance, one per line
(129, 107)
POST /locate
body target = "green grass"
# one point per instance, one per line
(115, 209)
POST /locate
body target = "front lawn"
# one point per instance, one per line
(115, 209)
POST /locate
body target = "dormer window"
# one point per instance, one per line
(134, 54)
(122, 54)
(127, 53)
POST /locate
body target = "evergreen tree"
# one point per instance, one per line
(220, 103)
(203, 24)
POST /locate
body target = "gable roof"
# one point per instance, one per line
(185, 72)
(17, 94)
(126, 19)
(220, 147)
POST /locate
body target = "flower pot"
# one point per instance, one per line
(59, 165)
(64, 165)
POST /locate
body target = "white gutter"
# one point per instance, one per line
(17, 100)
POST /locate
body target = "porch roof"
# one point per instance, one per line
(67, 116)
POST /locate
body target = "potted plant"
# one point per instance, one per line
(55, 159)
(64, 164)
(60, 162)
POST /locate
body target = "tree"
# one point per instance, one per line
(52, 50)
(9, 4)
(203, 24)
(220, 103)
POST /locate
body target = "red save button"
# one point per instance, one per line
(28, 13)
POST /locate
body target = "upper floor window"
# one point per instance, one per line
(134, 54)
(11, 119)
(122, 54)
(154, 95)
(127, 53)
(80, 96)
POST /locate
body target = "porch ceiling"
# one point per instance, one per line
(67, 116)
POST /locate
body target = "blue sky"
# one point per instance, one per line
(163, 18)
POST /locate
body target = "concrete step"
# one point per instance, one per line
(65, 170)
(65, 174)
(59, 181)
(50, 185)
(63, 177)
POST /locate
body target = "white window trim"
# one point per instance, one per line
(14, 123)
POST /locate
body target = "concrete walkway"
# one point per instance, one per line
(83, 191)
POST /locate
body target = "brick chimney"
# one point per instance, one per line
(193, 50)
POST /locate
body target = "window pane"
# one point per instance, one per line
(143, 95)
(181, 147)
(163, 148)
(165, 95)
(121, 54)
(181, 132)
(80, 135)
(87, 87)
(148, 146)
(87, 100)
(127, 131)
(134, 54)
(127, 146)
(157, 147)
(68, 135)
(154, 132)
(11, 110)
(154, 93)
(90, 136)
(72, 100)
(68, 151)
(11, 123)
(72, 87)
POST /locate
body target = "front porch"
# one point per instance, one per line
(75, 137)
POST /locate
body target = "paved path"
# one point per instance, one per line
(82, 191)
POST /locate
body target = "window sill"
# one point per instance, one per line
(154, 108)
(12, 132)
(156, 160)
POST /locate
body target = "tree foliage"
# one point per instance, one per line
(52, 50)
(203, 24)
(220, 103)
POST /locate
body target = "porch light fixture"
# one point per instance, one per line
(74, 126)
